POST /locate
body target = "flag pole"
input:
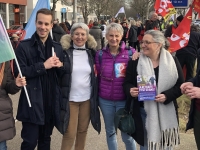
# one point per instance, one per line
(20, 73)
(51, 33)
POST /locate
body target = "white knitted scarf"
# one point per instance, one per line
(161, 121)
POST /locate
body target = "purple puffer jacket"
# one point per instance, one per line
(111, 73)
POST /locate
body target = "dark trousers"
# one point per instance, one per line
(124, 39)
(197, 128)
(103, 42)
(33, 134)
(189, 61)
(137, 44)
(131, 44)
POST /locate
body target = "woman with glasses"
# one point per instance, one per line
(111, 63)
(159, 115)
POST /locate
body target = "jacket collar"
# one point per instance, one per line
(34, 39)
(122, 46)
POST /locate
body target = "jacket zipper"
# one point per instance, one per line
(113, 73)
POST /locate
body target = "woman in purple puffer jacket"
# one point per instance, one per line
(111, 64)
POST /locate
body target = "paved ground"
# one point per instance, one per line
(94, 141)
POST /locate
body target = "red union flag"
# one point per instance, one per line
(196, 5)
(164, 8)
(181, 34)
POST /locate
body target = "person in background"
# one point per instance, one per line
(188, 55)
(172, 27)
(132, 35)
(64, 28)
(79, 86)
(57, 21)
(111, 94)
(125, 28)
(157, 118)
(192, 90)
(90, 25)
(14, 40)
(73, 22)
(140, 33)
(57, 31)
(67, 24)
(42, 68)
(117, 21)
(103, 24)
(153, 22)
(96, 32)
(8, 85)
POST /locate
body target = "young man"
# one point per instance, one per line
(41, 66)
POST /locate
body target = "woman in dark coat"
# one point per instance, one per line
(159, 115)
(132, 35)
(79, 86)
(7, 86)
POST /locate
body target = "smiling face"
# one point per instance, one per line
(114, 37)
(79, 37)
(149, 46)
(43, 25)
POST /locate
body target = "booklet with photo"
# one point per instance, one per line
(146, 87)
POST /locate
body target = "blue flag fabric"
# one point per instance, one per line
(6, 50)
(30, 27)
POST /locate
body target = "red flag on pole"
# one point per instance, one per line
(181, 34)
(164, 8)
(196, 4)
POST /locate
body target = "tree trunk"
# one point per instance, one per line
(54, 8)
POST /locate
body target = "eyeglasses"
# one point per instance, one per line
(146, 42)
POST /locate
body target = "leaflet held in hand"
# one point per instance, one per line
(146, 87)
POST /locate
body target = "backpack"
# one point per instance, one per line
(130, 53)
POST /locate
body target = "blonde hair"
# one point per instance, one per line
(133, 22)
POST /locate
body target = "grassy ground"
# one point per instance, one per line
(184, 106)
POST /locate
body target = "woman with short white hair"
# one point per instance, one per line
(111, 64)
(79, 86)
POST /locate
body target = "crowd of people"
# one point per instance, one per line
(84, 69)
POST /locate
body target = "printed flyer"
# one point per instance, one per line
(147, 87)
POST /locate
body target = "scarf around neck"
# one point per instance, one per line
(161, 122)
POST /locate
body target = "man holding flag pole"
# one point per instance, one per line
(40, 60)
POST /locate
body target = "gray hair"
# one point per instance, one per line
(79, 25)
(116, 27)
(158, 37)
(133, 22)
(151, 14)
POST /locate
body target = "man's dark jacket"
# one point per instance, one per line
(193, 45)
(196, 82)
(132, 36)
(31, 61)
